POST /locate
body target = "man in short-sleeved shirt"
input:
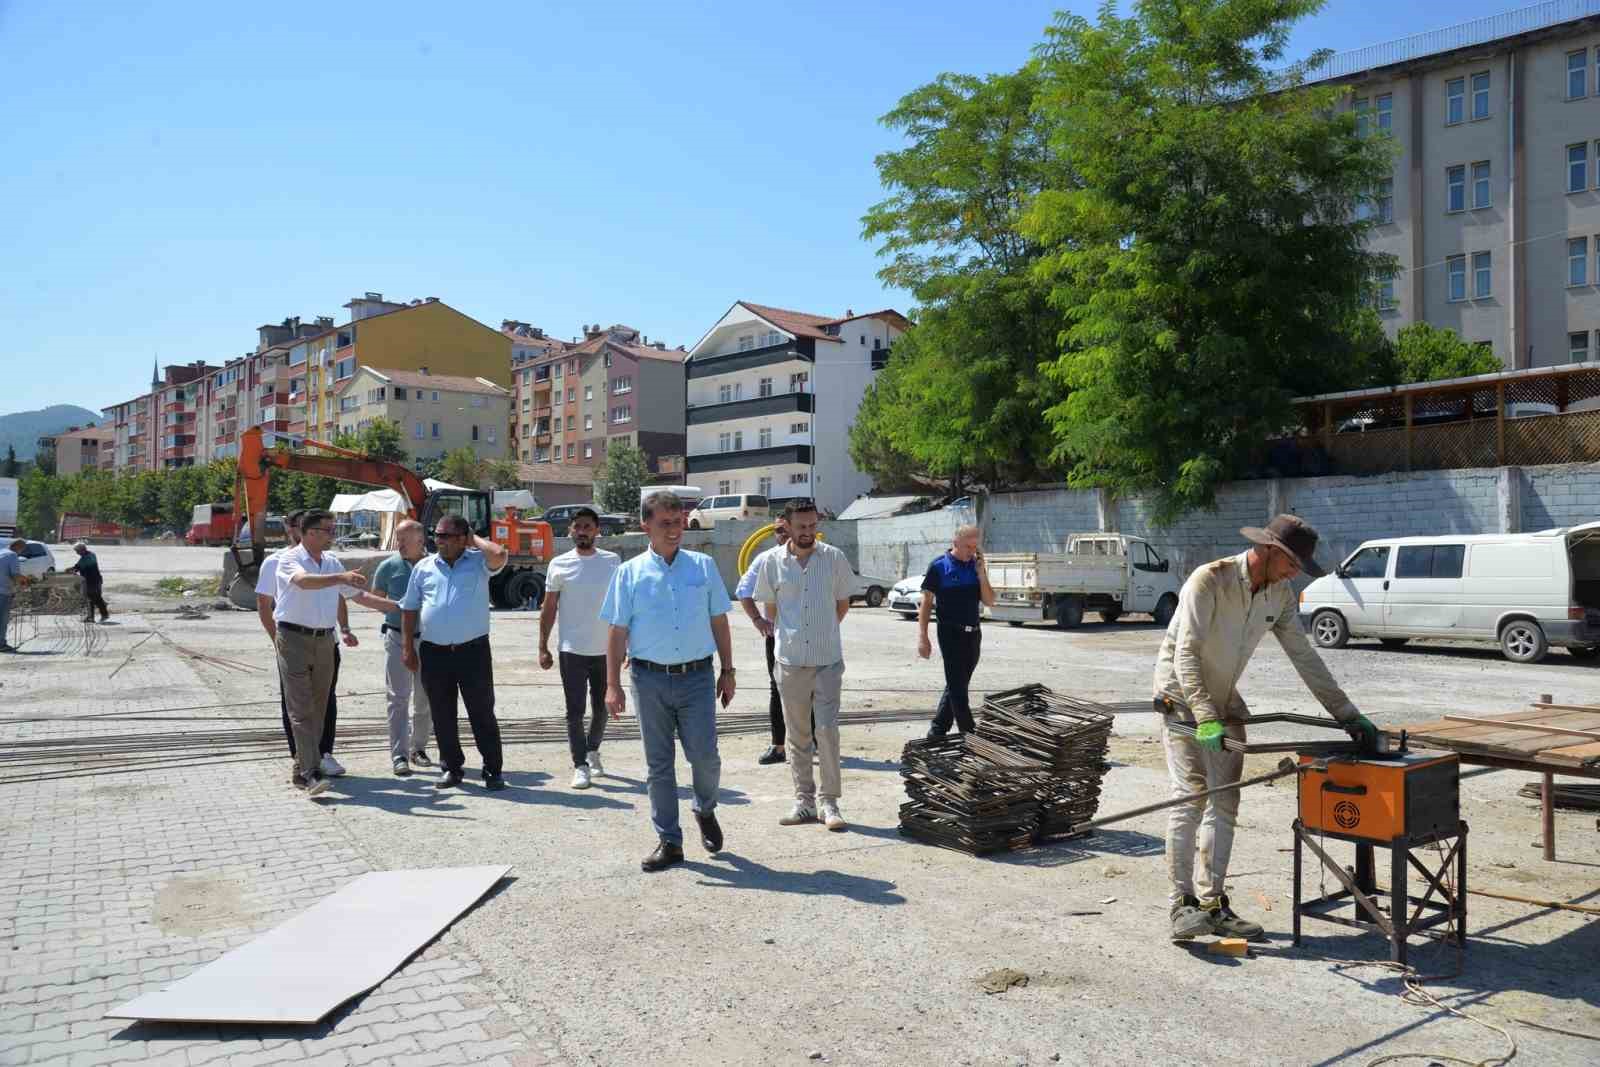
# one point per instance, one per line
(806, 586)
(958, 582)
(410, 718)
(10, 577)
(574, 590)
(745, 592)
(88, 568)
(668, 609)
(266, 601)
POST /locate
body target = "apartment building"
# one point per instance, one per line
(613, 386)
(78, 448)
(531, 347)
(437, 413)
(771, 397)
(1493, 206)
(159, 429)
(424, 335)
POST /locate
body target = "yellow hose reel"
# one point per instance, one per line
(755, 539)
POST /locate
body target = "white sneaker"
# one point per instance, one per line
(332, 767)
(799, 815)
(580, 778)
(595, 769)
(317, 786)
(831, 817)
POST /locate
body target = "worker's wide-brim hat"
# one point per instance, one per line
(1291, 534)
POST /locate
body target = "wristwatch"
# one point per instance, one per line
(729, 670)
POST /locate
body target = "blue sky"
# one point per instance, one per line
(175, 174)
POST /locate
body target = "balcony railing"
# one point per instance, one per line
(777, 403)
(707, 462)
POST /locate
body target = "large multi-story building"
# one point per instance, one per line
(158, 430)
(424, 335)
(531, 347)
(772, 395)
(613, 386)
(78, 448)
(1493, 206)
(437, 413)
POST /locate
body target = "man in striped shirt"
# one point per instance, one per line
(806, 588)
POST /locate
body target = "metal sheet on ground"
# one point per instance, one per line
(341, 947)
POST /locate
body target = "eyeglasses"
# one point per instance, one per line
(442, 535)
(317, 529)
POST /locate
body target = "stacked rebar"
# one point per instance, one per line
(1030, 772)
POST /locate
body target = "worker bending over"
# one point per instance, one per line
(1224, 610)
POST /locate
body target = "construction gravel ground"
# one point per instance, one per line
(865, 947)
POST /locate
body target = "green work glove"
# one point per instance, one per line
(1209, 734)
(1364, 730)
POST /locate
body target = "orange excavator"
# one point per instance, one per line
(530, 541)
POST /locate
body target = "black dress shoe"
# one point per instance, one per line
(710, 831)
(447, 779)
(772, 755)
(666, 855)
(493, 782)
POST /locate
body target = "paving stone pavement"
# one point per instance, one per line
(118, 884)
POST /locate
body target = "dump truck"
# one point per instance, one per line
(211, 524)
(1112, 574)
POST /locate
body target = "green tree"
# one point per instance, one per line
(617, 485)
(503, 474)
(8, 466)
(463, 467)
(1424, 353)
(961, 396)
(38, 503)
(44, 457)
(381, 439)
(1208, 256)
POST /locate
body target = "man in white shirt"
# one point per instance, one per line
(806, 587)
(311, 586)
(266, 602)
(574, 590)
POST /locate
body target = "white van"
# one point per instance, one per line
(729, 507)
(1526, 592)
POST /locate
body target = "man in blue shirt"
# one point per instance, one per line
(447, 602)
(11, 576)
(958, 582)
(667, 607)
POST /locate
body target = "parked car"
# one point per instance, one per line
(905, 596)
(560, 520)
(37, 560)
(1525, 592)
(729, 507)
(873, 590)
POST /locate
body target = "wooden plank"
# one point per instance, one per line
(1536, 727)
(1565, 707)
(340, 947)
(1577, 752)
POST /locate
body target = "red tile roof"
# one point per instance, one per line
(556, 474)
(798, 323)
(442, 382)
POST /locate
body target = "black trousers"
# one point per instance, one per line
(577, 674)
(774, 702)
(92, 591)
(467, 670)
(328, 722)
(960, 649)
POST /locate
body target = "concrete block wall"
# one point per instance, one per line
(1560, 496)
(902, 545)
(1349, 510)
(1199, 537)
(1038, 521)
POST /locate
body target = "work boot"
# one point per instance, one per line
(1226, 923)
(1189, 920)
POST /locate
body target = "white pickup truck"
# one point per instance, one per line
(1112, 574)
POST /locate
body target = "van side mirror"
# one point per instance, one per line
(1165, 566)
(1340, 572)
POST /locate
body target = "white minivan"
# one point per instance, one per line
(1525, 592)
(729, 507)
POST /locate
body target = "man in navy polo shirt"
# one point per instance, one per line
(957, 581)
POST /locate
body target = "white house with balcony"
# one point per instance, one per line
(771, 395)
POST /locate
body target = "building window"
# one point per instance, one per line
(1578, 261)
(728, 393)
(724, 487)
(1482, 276)
(1578, 347)
(764, 485)
(526, 429)
(344, 368)
(1480, 185)
(525, 403)
(558, 424)
(1456, 278)
(491, 432)
(349, 403)
(738, 440)
(436, 431)
(1362, 126)
(417, 432)
(863, 340)
(747, 342)
(1383, 203)
(588, 422)
(622, 385)
(1577, 168)
(542, 455)
(1385, 110)
(474, 431)
(1480, 96)
(524, 455)
(800, 478)
(724, 442)
(1455, 99)
(798, 381)
(399, 392)
(608, 360)
(558, 370)
(588, 451)
(800, 427)
(773, 337)
(1578, 73)
(588, 394)
(572, 394)
(765, 388)
(1455, 184)
(622, 414)
(764, 437)
(477, 402)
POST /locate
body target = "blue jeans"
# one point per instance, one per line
(685, 706)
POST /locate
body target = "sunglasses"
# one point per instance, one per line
(441, 535)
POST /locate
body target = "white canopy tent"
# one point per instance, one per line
(386, 503)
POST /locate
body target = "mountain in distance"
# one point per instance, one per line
(22, 429)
